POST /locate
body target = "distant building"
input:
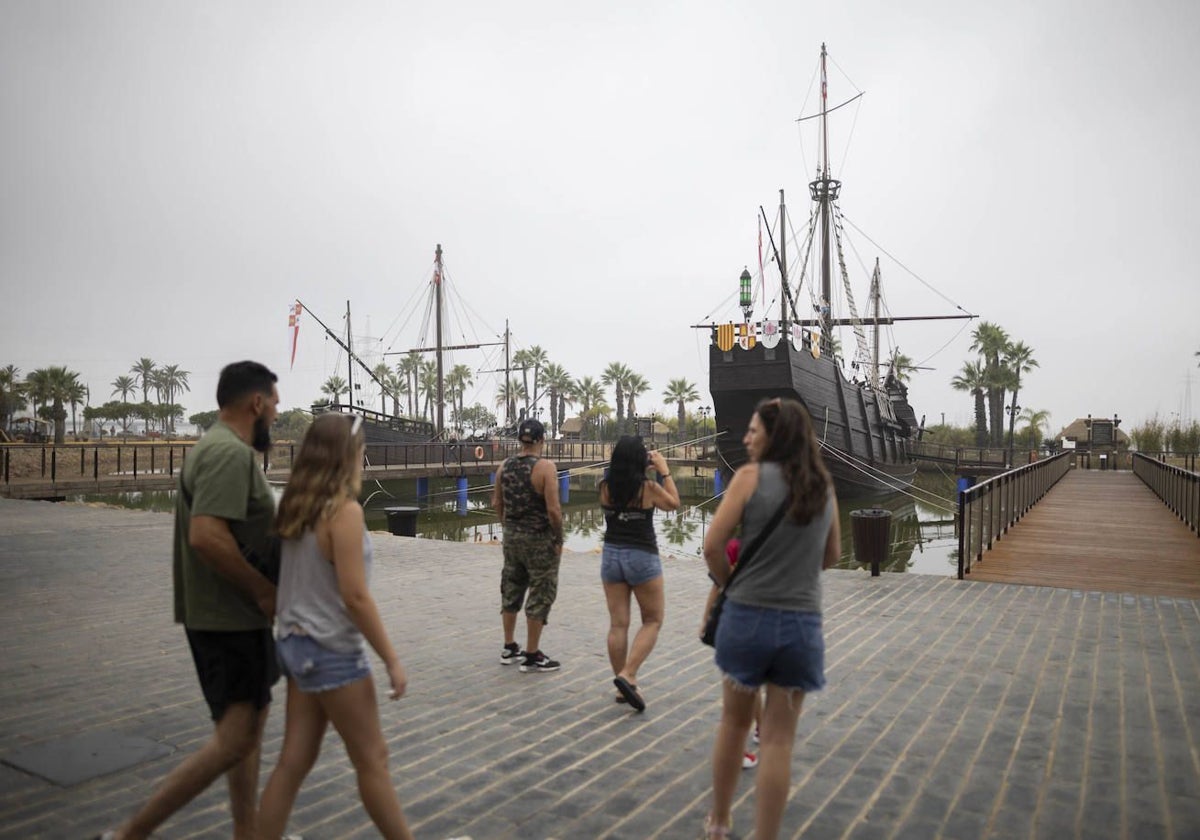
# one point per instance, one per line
(1098, 435)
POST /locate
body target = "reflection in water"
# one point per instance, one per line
(923, 539)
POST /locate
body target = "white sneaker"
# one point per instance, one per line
(749, 761)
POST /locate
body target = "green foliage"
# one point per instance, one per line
(1149, 436)
(203, 420)
(476, 419)
(945, 434)
(291, 425)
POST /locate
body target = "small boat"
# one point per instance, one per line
(865, 423)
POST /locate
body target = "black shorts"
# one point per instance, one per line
(234, 667)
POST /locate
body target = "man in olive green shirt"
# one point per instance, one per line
(224, 509)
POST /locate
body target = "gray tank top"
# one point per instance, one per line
(308, 600)
(784, 572)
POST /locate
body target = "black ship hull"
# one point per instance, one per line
(865, 433)
(382, 428)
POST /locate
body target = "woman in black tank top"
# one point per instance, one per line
(630, 565)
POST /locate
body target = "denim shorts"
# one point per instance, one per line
(627, 564)
(757, 645)
(316, 668)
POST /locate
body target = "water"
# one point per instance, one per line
(922, 535)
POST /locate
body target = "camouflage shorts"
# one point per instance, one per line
(530, 565)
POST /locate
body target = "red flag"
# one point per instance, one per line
(294, 325)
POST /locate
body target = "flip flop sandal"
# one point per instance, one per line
(630, 692)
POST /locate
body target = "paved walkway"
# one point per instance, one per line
(954, 710)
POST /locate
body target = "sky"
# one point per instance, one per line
(173, 175)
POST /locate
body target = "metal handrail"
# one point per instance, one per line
(987, 510)
(1178, 488)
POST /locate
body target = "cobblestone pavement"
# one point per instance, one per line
(953, 710)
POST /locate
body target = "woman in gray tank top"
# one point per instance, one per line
(324, 613)
(770, 630)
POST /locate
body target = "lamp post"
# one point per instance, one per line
(1012, 416)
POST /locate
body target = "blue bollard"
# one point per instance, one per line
(462, 495)
(423, 489)
(718, 484)
(564, 488)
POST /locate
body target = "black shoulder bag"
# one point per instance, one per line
(709, 637)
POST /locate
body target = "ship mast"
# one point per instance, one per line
(824, 191)
(441, 382)
(349, 358)
(783, 278)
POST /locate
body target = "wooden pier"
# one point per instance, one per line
(1103, 531)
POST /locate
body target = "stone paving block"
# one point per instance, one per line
(940, 693)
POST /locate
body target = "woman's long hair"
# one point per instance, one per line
(323, 475)
(626, 471)
(792, 443)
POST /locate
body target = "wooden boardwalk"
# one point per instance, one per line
(1101, 531)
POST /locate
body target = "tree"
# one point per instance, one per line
(172, 380)
(616, 375)
(397, 385)
(971, 379)
(291, 424)
(123, 385)
(76, 394)
(477, 418)
(382, 373)
(536, 358)
(56, 385)
(635, 386)
(457, 382)
(558, 385)
(507, 396)
(1034, 421)
(203, 420)
(143, 373)
(681, 392)
(902, 367)
(590, 394)
(334, 387)
(409, 367)
(1018, 359)
(427, 382)
(37, 387)
(991, 341)
(12, 394)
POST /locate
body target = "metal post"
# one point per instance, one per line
(96, 464)
(135, 462)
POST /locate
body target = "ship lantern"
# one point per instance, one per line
(745, 292)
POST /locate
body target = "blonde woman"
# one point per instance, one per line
(324, 613)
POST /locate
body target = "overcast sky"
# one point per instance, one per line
(173, 175)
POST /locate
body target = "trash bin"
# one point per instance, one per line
(402, 521)
(870, 531)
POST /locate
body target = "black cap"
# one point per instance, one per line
(531, 431)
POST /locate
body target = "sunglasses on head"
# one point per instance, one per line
(355, 424)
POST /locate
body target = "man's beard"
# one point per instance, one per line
(262, 435)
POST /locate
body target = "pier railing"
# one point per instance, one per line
(1177, 487)
(987, 510)
(52, 464)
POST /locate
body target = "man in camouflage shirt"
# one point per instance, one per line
(526, 500)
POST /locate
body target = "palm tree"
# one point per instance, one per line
(589, 393)
(506, 397)
(558, 384)
(409, 367)
(143, 372)
(75, 395)
(457, 381)
(617, 375)
(681, 392)
(1018, 359)
(991, 341)
(972, 379)
(635, 386)
(56, 385)
(334, 387)
(902, 367)
(536, 358)
(37, 386)
(381, 372)
(174, 381)
(427, 384)
(124, 385)
(395, 385)
(1034, 421)
(12, 394)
